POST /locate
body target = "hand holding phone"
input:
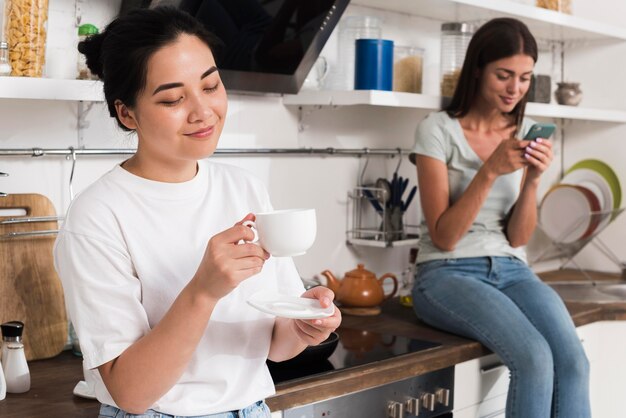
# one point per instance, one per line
(540, 130)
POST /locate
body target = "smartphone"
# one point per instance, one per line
(540, 130)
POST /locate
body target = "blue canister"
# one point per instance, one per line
(373, 66)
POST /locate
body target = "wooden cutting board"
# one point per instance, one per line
(30, 290)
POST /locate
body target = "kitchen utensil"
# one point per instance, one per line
(368, 194)
(30, 289)
(385, 190)
(288, 306)
(605, 171)
(360, 287)
(598, 185)
(566, 213)
(409, 198)
(285, 233)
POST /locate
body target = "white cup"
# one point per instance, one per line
(285, 233)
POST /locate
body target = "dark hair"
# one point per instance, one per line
(119, 55)
(498, 38)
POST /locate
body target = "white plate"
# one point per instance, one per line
(565, 213)
(287, 306)
(82, 389)
(586, 175)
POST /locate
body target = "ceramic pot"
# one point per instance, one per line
(568, 94)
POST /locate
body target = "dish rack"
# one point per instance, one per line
(558, 249)
(376, 227)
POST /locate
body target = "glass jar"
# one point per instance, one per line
(5, 66)
(455, 38)
(407, 69)
(84, 32)
(563, 6)
(25, 32)
(351, 28)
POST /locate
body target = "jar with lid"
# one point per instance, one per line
(407, 68)
(455, 38)
(5, 66)
(16, 372)
(85, 31)
(25, 32)
(563, 6)
(351, 28)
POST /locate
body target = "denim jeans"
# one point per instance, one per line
(256, 410)
(500, 302)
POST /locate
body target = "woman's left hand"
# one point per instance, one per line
(539, 155)
(314, 331)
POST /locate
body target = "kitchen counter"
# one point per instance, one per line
(54, 379)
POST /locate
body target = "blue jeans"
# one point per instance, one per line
(256, 410)
(500, 302)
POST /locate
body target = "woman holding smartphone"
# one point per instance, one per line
(478, 187)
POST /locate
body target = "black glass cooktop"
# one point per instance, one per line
(353, 348)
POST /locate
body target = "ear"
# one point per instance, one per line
(125, 115)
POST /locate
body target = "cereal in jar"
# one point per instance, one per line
(25, 32)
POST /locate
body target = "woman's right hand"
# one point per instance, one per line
(507, 157)
(226, 263)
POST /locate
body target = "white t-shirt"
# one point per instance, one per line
(130, 245)
(441, 137)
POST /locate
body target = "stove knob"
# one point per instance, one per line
(443, 396)
(412, 406)
(395, 410)
(428, 401)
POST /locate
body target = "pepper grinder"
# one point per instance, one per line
(14, 363)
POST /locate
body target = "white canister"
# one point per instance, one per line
(16, 371)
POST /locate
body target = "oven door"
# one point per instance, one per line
(389, 400)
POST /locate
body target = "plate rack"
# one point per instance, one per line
(559, 249)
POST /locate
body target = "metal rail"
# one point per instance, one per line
(69, 152)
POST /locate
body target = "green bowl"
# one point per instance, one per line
(607, 173)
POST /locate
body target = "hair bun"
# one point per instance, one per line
(91, 48)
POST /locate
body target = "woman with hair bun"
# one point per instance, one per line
(153, 255)
(478, 184)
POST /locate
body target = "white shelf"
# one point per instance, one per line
(575, 113)
(361, 97)
(50, 89)
(544, 24)
(383, 244)
(421, 101)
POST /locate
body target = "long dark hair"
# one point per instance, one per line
(119, 55)
(498, 38)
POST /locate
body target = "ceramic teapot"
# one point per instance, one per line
(360, 288)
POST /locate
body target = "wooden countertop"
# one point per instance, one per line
(53, 379)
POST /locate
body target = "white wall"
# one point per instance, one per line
(262, 121)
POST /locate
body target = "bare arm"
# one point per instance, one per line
(523, 218)
(448, 224)
(146, 370)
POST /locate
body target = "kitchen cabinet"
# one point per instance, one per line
(481, 384)
(480, 388)
(604, 344)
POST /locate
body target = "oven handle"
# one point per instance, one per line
(492, 368)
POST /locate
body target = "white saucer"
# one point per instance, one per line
(289, 306)
(82, 389)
